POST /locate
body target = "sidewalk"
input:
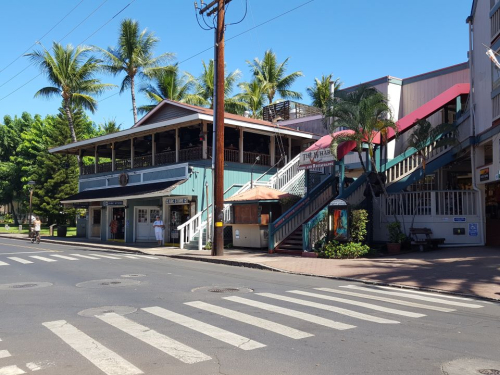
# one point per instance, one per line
(469, 271)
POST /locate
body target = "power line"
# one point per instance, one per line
(43, 36)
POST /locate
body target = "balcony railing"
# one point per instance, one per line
(250, 158)
(232, 155)
(104, 167)
(143, 161)
(88, 169)
(122, 164)
(165, 158)
(194, 153)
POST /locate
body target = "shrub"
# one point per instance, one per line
(348, 250)
(208, 246)
(395, 233)
(358, 225)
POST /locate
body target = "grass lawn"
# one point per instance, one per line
(71, 231)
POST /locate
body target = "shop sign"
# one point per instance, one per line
(473, 229)
(176, 200)
(459, 219)
(484, 174)
(112, 203)
(81, 205)
(318, 158)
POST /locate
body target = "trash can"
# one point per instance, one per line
(61, 230)
(51, 230)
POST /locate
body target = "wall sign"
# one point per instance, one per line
(484, 174)
(459, 219)
(123, 179)
(81, 205)
(176, 200)
(473, 229)
(112, 203)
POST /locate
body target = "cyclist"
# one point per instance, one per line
(38, 225)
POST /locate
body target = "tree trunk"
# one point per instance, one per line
(132, 89)
(365, 171)
(386, 195)
(14, 215)
(67, 109)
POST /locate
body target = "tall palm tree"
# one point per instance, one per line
(133, 56)
(272, 74)
(364, 114)
(168, 84)
(320, 93)
(253, 95)
(109, 127)
(71, 71)
(204, 90)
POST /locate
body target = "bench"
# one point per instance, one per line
(417, 236)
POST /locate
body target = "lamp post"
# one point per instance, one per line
(251, 171)
(30, 187)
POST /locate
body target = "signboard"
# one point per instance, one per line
(317, 158)
(81, 205)
(484, 174)
(176, 200)
(473, 229)
(112, 203)
(459, 219)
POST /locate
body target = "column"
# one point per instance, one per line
(241, 145)
(113, 157)
(177, 145)
(153, 149)
(289, 149)
(81, 161)
(204, 153)
(272, 150)
(132, 153)
(96, 159)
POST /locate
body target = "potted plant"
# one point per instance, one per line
(396, 237)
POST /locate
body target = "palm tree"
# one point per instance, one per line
(133, 56)
(109, 127)
(364, 114)
(272, 74)
(320, 93)
(253, 95)
(168, 84)
(71, 71)
(204, 90)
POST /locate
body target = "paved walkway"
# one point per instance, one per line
(472, 270)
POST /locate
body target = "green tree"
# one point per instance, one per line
(71, 71)
(320, 93)
(109, 127)
(273, 76)
(253, 96)
(133, 56)
(204, 89)
(169, 84)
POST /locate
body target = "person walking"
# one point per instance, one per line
(38, 226)
(159, 228)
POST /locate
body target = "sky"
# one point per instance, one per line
(355, 40)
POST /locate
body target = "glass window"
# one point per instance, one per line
(153, 214)
(142, 215)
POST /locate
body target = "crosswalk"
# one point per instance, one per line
(51, 258)
(340, 309)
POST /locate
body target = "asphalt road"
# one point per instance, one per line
(71, 310)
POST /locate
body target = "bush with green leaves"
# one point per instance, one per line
(348, 250)
(358, 225)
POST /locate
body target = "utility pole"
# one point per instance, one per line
(217, 7)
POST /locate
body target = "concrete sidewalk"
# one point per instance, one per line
(468, 271)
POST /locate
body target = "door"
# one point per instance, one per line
(95, 222)
(144, 219)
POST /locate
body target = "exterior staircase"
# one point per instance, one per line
(292, 244)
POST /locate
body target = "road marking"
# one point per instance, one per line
(406, 295)
(293, 313)
(11, 370)
(4, 354)
(131, 256)
(31, 252)
(29, 247)
(84, 256)
(3, 263)
(20, 260)
(249, 319)
(390, 300)
(147, 256)
(362, 304)
(207, 329)
(43, 258)
(157, 340)
(105, 359)
(106, 256)
(440, 295)
(351, 313)
(63, 257)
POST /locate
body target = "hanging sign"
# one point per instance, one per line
(473, 229)
(316, 158)
(484, 174)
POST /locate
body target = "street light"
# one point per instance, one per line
(251, 171)
(30, 187)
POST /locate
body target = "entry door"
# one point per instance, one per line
(95, 222)
(144, 219)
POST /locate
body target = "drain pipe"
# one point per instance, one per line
(473, 135)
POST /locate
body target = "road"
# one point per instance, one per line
(71, 310)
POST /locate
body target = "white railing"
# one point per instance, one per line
(286, 174)
(432, 203)
(188, 230)
(296, 185)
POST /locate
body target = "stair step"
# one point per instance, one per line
(289, 252)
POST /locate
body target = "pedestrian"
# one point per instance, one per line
(114, 227)
(38, 226)
(159, 227)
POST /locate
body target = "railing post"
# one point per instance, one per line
(270, 233)
(181, 238)
(113, 157)
(178, 144)
(306, 245)
(96, 159)
(272, 151)
(433, 202)
(132, 153)
(153, 150)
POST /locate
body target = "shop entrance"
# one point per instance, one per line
(177, 214)
(492, 196)
(144, 219)
(117, 223)
(95, 222)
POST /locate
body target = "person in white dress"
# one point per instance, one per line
(159, 227)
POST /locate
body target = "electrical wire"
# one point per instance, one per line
(39, 39)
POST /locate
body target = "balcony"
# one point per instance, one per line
(288, 110)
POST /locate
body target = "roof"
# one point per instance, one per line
(126, 192)
(259, 194)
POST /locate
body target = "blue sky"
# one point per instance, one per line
(356, 40)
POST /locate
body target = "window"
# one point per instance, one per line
(142, 215)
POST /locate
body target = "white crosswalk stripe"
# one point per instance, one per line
(20, 260)
(43, 258)
(106, 256)
(147, 257)
(413, 296)
(385, 299)
(84, 256)
(293, 313)
(207, 329)
(351, 313)
(424, 293)
(249, 319)
(11, 370)
(63, 257)
(3, 263)
(131, 256)
(105, 359)
(4, 354)
(362, 304)
(157, 340)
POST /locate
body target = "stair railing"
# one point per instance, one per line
(285, 174)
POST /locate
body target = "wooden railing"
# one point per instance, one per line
(232, 155)
(122, 164)
(143, 161)
(104, 167)
(165, 158)
(194, 153)
(250, 158)
(88, 169)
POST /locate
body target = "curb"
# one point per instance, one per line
(273, 269)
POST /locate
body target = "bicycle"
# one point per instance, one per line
(36, 238)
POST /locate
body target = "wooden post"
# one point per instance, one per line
(132, 153)
(205, 144)
(96, 159)
(289, 149)
(113, 157)
(272, 150)
(177, 145)
(153, 150)
(241, 145)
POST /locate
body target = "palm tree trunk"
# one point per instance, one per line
(386, 195)
(67, 109)
(366, 172)
(132, 89)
